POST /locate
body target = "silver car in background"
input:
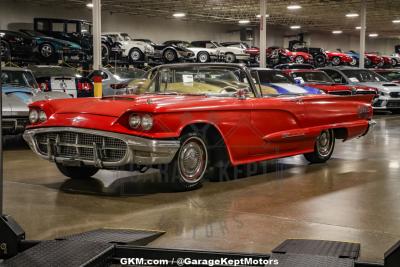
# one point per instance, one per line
(19, 89)
(115, 81)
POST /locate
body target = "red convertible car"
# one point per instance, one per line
(296, 57)
(186, 119)
(319, 79)
(338, 58)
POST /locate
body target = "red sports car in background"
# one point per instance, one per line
(296, 57)
(338, 58)
(190, 118)
(376, 60)
(319, 79)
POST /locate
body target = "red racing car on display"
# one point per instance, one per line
(338, 58)
(376, 60)
(319, 79)
(192, 120)
(295, 57)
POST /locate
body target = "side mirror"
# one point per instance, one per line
(242, 93)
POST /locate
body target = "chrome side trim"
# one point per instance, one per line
(141, 151)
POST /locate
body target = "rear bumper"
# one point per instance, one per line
(139, 151)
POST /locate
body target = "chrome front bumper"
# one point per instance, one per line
(140, 151)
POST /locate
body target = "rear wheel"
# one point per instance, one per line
(299, 59)
(77, 172)
(170, 56)
(394, 62)
(336, 61)
(105, 52)
(186, 171)
(135, 55)
(47, 51)
(203, 57)
(323, 148)
(320, 60)
(353, 62)
(230, 58)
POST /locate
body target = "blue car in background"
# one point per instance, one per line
(275, 82)
(356, 57)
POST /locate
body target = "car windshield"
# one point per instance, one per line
(363, 76)
(126, 36)
(18, 78)
(216, 44)
(273, 76)
(312, 76)
(55, 71)
(198, 80)
(391, 75)
(125, 73)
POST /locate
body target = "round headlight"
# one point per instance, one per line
(147, 122)
(33, 116)
(134, 121)
(42, 116)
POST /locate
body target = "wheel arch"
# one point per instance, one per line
(212, 133)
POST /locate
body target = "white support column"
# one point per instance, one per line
(363, 25)
(96, 15)
(263, 33)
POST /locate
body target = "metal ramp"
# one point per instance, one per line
(316, 253)
(88, 249)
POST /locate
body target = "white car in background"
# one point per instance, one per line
(134, 50)
(201, 54)
(232, 54)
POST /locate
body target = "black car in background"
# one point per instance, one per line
(62, 79)
(76, 31)
(169, 52)
(15, 45)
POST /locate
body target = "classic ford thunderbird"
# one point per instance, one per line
(190, 119)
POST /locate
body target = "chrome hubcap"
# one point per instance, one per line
(46, 51)
(135, 55)
(353, 62)
(299, 59)
(203, 57)
(169, 55)
(229, 58)
(336, 61)
(192, 160)
(325, 143)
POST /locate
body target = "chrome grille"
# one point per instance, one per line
(80, 146)
(393, 104)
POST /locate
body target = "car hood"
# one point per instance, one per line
(383, 86)
(16, 103)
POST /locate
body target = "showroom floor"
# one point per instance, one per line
(354, 197)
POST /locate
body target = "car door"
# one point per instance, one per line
(277, 123)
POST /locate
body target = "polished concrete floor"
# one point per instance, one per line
(354, 197)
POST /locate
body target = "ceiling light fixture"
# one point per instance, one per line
(352, 15)
(358, 28)
(244, 21)
(293, 7)
(179, 15)
(89, 5)
(259, 16)
(295, 27)
(396, 21)
(373, 35)
(337, 32)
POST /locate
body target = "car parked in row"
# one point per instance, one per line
(392, 75)
(254, 52)
(168, 53)
(19, 89)
(134, 51)
(389, 92)
(319, 79)
(200, 54)
(62, 79)
(337, 58)
(231, 54)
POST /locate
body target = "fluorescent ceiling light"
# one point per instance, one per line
(358, 28)
(373, 35)
(89, 5)
(179, 15)
(293, 7)
(352, 15)
(396, 21)
(244, 21)
(259, 16)
(295, 27)
(337, 32)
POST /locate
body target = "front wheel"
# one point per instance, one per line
(230, 58)
(77, 172)
(170, 56)
(203, 57)
(299, 60)
(323, 148)
(136, 55)
(320, 60)
(394, 62)
(186, 171)
(336, 61)
(47, 51)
